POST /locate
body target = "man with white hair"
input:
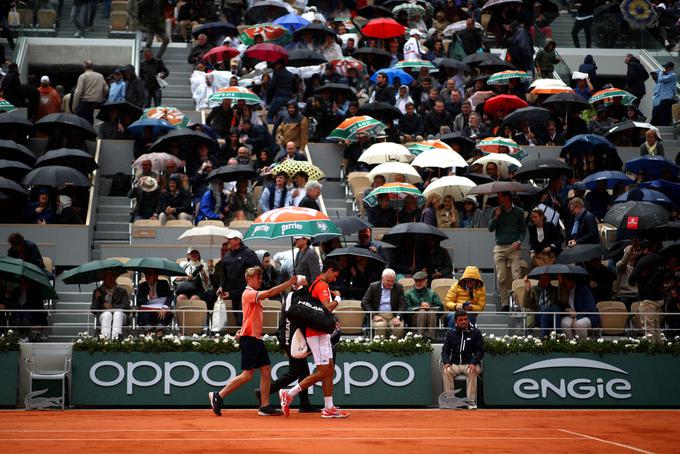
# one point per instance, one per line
(312, 193)
(385, 299)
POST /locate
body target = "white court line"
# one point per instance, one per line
(321, 439)
(620, 445)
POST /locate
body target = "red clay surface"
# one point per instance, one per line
(374, 431)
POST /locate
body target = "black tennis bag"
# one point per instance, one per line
(309, 312)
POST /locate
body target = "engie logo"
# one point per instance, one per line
(591, 381)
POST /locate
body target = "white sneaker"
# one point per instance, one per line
(472, 406)
(78, 34)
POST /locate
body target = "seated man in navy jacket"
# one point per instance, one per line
(580, 305)
(584, 230)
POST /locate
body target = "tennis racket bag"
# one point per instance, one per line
(309, 312)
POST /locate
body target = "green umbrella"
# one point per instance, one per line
(160, 264)
(91, 271)
(17, 268)
(353, 126)
(290, 222)
(6, 106)
(415, 64)
(395, 191)
(504, 77)
(235, 93)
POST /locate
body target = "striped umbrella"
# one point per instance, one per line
(607, 96)
(342, 65)
(494, 144)
(350, 128)
(235, 94)
(6, 106)
(172, 115)
(290, 222)
(291, 167)
(411, 9)
(549, 87)
(395, 191)
(434, 144)
(270, 33)
(415, 64)
(503, 77)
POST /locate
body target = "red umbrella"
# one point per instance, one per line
(507, 103)
(219, 52)
(267, 52)
(383, 28)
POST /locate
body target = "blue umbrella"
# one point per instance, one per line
(645, 195)
(671, 190)
(291, 21)
(586, 142)
(652, 165)
(391, 74)
(612, 178)
(159, 126)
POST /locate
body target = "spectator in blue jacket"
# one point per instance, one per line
(584, 229)
(213, 204)
(462, 353)
(663, 95)
(581, 311)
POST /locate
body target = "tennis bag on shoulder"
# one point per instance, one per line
(309, 312)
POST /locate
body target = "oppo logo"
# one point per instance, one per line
(577, 388)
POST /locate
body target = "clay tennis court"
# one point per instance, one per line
(374, 431)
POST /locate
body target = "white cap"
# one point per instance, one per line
(44, 80)
(191, 249)
(414, 32)
(234, 234)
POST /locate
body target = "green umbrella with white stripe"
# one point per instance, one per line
(235, 94)
(6, 106)
(415, 64)
(352, 127)
(504, 77)
(608, 95)
(291, 222)
(395, 191)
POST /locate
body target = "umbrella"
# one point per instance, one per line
(342, 65)
(291, 21)
(484, 57)
(6, 106)
(636, 216)
(12, 188)
(504, 77)
(235, 94)
(290, 222)
(215, 30)
(172, 115)
(536, 116)
(65, 121)
(639, 13)
(566, 101)
(158, 161)
(383, 28)
(480, 97)
(16, 152)
(466, 144)
(349, 91)
(234, 172)
(415, 64)
(479, 178)
(209, 234)
(670, 251)
(350, 224)
(124, 108)
(267, 52)
(395, 191)
(390, 170)
(497, 145)
(188, 140)
(20, 269)
(637, 127)
(653, 165)
(68, 157)
(492, 3)
(543, 168)
(356, 251)
(411, 9)
(218, 53)
(582, 143)
(419, 147)
(291, 167)
(550, 87)
(458, 27)
(397, 233)
(456, 186)
(488, 67)
(55, 177)
(613, 179)
(91, 271)
(318, 31)
(380, 57)
(404, 77)
(158, 127)
(15, 122)
(266, 10)
(672, 190)
(450, 63)
(299, 58)
(555, 269)
(665, 232)
(506, 103)
(380, 110)
(14, 170)
(270, 33)
(505, 163)
(379, 153)
(645, 195)
(607, 96)
(160, 264)
(441, 159)
(374, 11)
(580, 253)
(501, 186)
(350, 128)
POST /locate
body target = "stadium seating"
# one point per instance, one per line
(407, 282)
(191, 316)
(441, 286)
(613, 317)
(272, 313)
(350, 315)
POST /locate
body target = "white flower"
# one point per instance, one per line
(417, 336)
(409, 334)
(600, 340)
(265, 337)
(492, 336)
(217, 335)
(572, 342)
(401, 341)
(393, 337)
(79, 341)
(670, 344)
(615, 341)
(195, 343)
(182, 338)
(418, 345)
(9, 331)
(177, 342)
(195, 336)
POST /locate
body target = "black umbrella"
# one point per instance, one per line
(380, 111)
(536, 116)
(350, 224)
(188, 139)
(670, 251)
(11, 188)
(55, 177)
(124, 108)
(234, 172)
(636, 128)
(214, 30)
(549, 10)
(373, 11)
(397, 233)
(565, 102)
(665, 232)
(61, 121)
(14, 170)
(14, 125)
(298, 58)
(616, 250)
(380, 58)
(466, 145)
(636, 216)
(450, 63)
(554, 269)
(11, 150)
(542, 168)
(484, 57)
(68, 157)
(356, 251)
(265, 11)
(495, 66)
(502, 186)
(318, 31)
(479, 178)
(335, 88)
(580, 253)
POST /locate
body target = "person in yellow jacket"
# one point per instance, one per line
(468, 293)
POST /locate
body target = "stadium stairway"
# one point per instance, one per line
(65, 324)
(66, 28)
(328, 157)
(178, 92)
(113, 218)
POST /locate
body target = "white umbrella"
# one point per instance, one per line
(386, 152)
(453, 185)
(502, 161)
(439, 158)
(390, 170)
(205, 235)
(458, 27)
(158, 161)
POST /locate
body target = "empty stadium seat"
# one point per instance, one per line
(272, 312)
(117, 6)
(47, 18)
(442, 286)
(350, 315)
(211, 222)
(119, 21)
(179, 223)
(126, 283)
(190, 315)
(240, 224)
(613, 317)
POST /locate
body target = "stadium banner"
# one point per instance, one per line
(184, 379)
(581, 380)
(9, 376)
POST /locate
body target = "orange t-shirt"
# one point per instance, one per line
(252, 313)
(321, 292)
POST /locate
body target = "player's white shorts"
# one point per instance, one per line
(321, 349)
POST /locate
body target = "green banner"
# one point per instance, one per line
(581, 379)
(9, 375)
(184, 379)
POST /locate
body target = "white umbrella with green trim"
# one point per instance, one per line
(503, 77)
(395, 191)
(6, 106)
(235, 94)
(415, 64)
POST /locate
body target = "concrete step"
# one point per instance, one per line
(493, 319)
(66, 331)
(113, 209)
(114, 217)
(70, 317)
(108, 200)
(67, 290)
(112, 236)
(495, 329)
(74, 298)
(112, 227)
